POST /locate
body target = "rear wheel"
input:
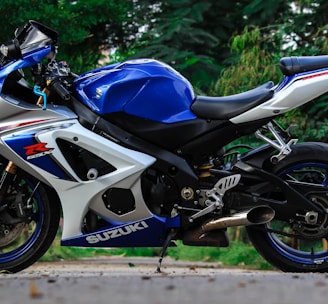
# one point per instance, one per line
(299, 244)
(28, 223)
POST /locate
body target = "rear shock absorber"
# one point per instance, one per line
(204, 170)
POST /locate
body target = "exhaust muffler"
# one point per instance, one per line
(254, 216)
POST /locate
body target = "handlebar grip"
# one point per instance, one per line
(60, 89)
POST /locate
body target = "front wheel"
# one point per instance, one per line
(300, 244)
(28, 223)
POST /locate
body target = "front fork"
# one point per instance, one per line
(7, 178)
(13, 196)
(6, 204)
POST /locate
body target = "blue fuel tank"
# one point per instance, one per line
(145, 88)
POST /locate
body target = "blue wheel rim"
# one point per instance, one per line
(23, 248)
(293, 254)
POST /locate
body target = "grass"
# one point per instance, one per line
(237, 254)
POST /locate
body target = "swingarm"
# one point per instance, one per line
(262, 193)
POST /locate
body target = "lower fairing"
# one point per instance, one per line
(132, 234)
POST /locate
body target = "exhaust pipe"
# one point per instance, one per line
(255, 216)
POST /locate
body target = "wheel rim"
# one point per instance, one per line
(307, 251)
(18, 245)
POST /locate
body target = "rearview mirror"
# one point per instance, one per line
(11, 49)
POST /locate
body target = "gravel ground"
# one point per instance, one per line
(121, 280)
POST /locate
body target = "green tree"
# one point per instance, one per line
(257, 51)
(192, 36)
(86, 27)
(256, 63)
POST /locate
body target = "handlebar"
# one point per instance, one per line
(60, 89)
(51, 78)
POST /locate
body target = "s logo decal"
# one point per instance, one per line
(37, 150)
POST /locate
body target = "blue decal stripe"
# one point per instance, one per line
(21, 143)
(148, 232)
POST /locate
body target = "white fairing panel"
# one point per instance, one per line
(78, 196)
(298, 92)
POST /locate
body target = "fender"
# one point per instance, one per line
(258, 156)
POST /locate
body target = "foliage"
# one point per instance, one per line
(255, 66)
(86, 27)
(309, 123)
(276, 29)
(256, 52)
(194, 37)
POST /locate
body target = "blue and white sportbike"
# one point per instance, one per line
(130, 157)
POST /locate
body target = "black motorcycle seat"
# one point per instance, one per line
(226, 107)
(293, 65)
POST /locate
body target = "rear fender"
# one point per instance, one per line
(258, 157)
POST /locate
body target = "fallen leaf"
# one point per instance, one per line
(320, 283)
(34, 290)
(242, 284)
(170, 287)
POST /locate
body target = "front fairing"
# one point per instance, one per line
(29, 59)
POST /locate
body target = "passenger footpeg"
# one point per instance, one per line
(278, 143)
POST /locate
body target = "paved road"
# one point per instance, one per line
(120, 280)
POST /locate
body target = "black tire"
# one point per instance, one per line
(308, 162)
(27, 241)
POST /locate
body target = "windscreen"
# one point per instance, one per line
(35, 35)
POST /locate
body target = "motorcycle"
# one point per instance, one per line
(128, 156)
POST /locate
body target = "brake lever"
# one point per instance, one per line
(37, 91)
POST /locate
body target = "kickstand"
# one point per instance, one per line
(166, 244)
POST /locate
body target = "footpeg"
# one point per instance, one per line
(279, 143)
(216, 194)
(224, 184)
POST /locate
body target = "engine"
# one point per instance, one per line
(160, 192)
